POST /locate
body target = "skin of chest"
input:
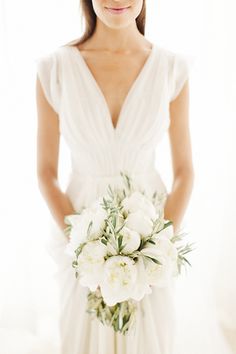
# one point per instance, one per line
(115, 75)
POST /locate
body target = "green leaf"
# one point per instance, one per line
(151, 241)
(187, 261)
(167, 224)
(110, 191)
(105, 202)
(120, 228)
(89, 227)
(122, 247)
(120, 239)
(114, 220)
(154, 260)
(154, 195)
(74, 264)
(111, 227)
(142, 243)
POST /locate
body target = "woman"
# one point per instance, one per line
(112, 95)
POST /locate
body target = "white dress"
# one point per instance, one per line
(98, 153)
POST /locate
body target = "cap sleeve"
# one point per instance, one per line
(48, 74)
(179, 70)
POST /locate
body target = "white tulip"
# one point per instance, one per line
(159, 275)
(90, 264)
(80, 223)
(139, 222)
(139, 202)
(168, 232)
(141, 286)
(77, 234)
(131, 239)
(165, 252)
(167, 247)
(120, 275)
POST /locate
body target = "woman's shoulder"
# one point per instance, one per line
(54, 53)
(177, 60)
(178, 65)
(169, 53)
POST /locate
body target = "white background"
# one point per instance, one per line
(205, 295)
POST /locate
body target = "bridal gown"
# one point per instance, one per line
(99, 151)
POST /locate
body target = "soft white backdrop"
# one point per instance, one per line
(205, 296)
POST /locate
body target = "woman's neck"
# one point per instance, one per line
(116, 40)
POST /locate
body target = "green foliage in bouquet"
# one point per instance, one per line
(114, 210)
(121, 315)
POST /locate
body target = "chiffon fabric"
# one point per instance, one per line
(99, 151)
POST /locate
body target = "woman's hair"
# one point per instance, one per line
(91, 18)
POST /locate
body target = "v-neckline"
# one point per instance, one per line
(131, 90)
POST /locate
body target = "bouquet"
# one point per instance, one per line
(121, 246)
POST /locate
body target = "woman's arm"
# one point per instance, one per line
(183, 172)
(48, 138)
